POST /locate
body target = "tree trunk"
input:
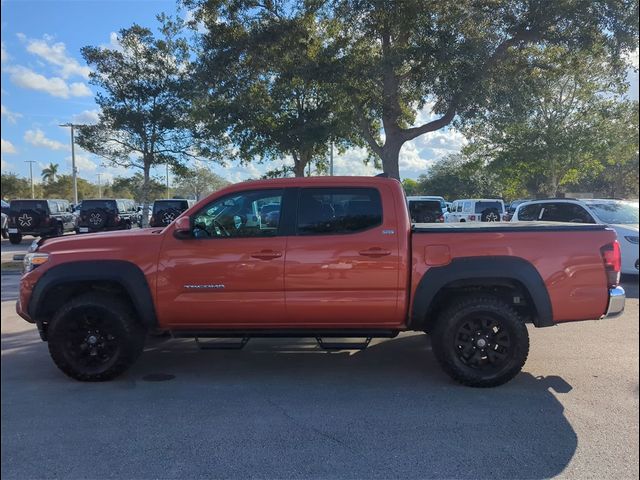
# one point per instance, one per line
(145, 192)
(390, 157)
(300, 162)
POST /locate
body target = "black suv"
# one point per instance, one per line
(166, 211)
(40, 218)
(99, 215)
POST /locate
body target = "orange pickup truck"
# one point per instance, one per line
(333, 258)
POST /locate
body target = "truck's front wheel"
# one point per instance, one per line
(95, 337)
(481, 342)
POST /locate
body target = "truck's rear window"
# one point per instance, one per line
(99, 204)
(17, 205)
(169, 205)
(425, 211)
(338, 210)
(482, 206)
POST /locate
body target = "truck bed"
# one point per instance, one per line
(469, 227)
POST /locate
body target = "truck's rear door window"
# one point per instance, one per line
(338, 210)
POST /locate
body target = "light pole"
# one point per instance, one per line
(331, 160)
(99, 175)
(167, 181)
(31, 162)
(74, 172)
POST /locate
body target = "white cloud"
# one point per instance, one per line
(55, 86)
(114, 43)
(87, 117)
(5, 165)
(38, 139)
(7, 146)
(83, 163)
(631, 59)
(11, 117)
(4, 56)
(56, 54)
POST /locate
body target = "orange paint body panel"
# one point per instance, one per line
(364, 279)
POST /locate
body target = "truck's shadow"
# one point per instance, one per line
(282, 408)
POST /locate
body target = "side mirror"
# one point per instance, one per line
(182, 229)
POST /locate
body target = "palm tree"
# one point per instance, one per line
(49, 174)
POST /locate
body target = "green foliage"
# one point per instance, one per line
(556, 135)
(457, 176)
(262, 70)
(132, 187)
(411, 187)
(143, 96)
(62, 187)
(12, 186)
(199, 182)
(394, 57)
(50, 173)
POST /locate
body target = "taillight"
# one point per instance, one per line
(472, 218)
(440, 219)
(612, 263)
(152, 219)
(116, 218)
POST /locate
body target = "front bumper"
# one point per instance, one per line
(617, 299)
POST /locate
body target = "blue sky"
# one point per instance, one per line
(44, 84)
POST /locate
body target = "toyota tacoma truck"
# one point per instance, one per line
(331, 258)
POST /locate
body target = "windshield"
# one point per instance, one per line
(616, 212)
(103, 204)
(482, 206)
(170, 204)
(17, 205)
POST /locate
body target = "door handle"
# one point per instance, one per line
(266, 255)
(375, 252)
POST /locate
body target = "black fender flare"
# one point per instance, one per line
(490, 268)
(124, 273)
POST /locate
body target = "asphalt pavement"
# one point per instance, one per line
(285, 409)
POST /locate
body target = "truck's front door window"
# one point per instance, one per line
(247, 214)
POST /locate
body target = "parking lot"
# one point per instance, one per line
(284, 408)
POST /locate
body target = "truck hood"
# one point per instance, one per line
(133, 240)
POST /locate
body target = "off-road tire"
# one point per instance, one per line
(116, 320)
(15, 238)
(446, 339)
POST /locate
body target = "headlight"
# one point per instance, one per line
(32, 260)
(632, 239)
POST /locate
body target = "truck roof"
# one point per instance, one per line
(311, 181)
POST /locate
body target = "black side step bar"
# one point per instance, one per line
(222, 345)
(286, 333)
(343, 345)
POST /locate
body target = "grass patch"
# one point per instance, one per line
(11, 266)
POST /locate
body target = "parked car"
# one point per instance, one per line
(166, 211)
(104, 214)
(426, 209)
(340, 260)
(4, 219)
(40, 218)
(511, 209)
(620, 215)
(476, 210)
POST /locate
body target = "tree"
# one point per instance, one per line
(62, 187)
(198, 183)
(411, 187)
(618, 177)
(144, 119)
(50, 173)
(261, 66)
(14, 187)
(457, 176)
(556, 134)
(394, 57)
(132, 187)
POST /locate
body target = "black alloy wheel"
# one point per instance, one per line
(480, 341)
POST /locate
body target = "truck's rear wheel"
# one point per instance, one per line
(481, 342)
(95, 337)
